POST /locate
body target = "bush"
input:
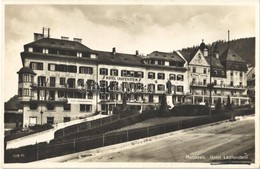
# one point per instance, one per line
(190, 110)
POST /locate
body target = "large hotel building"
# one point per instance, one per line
(63, 80)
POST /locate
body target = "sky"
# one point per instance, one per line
(129, 28)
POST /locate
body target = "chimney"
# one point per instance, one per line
(77, 40)
(44, 32)
(114, 50)
(136, 52)
(65, 37)
(38, 36)
(228, 38)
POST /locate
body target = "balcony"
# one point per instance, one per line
(58, 100)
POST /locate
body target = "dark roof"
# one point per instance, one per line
(59, 44)
(187, 55)
(165, 56)
(215, 63)
(118, 58)
(230, 55)
(13, 104)
(26, 70)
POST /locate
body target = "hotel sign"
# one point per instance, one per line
(126, 79)
(77, 101)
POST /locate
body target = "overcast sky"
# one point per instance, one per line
(127, 27)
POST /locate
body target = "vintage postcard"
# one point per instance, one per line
(127, 84)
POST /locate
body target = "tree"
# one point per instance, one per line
(218, 106)
(228, 105)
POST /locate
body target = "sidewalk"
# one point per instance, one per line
(46, 135)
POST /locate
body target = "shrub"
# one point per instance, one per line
(189, 110)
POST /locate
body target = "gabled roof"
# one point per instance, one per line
(165, 56)
(59, 44)
(230, 55)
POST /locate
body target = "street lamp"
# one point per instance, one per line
(41, 116)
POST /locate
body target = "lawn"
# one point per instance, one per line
(155, 121)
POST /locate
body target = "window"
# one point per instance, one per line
(172, 77)
(71, 83)
(52, 81)
(231, 73)
(130, 73)
(67, 107)
(139, 86)
(161, 87)
(180, 77)
(240, 84)
(72, 69)
(151, 75)
(85, 70)
(62, 68)
(26, 78)
(52, 67)
(151, 87)
(193, 69)
(215, 82)
(231, 83)
(123, 72)
(139, 74)
(160, 75)
(90, 95)
(36, 65)
(103, 96)
(62, 81)
(113, 85)
(204, 81)
(25, 92)
(103, 71)
(179, 88)
(205, 70)
(161, 62)
(50, 120)
(46, 51)
(30, 49)
(79, 54)
(66, 119)
(93, 56)
(241, 74)
(85, 108)
(114, 72)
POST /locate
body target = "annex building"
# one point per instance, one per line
(63, 80)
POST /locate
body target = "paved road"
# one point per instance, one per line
(223, 141)
(46, 135)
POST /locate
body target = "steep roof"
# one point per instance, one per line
(13, 104)
(26, 70)
(215, 63)
(230, 55)
(59, 44)
(165, 56)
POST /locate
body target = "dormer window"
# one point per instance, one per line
(79, 54)
(30, 49)
(45, 51)
(161, 62)
(93, 56)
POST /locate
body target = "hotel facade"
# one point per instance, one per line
(63, 80)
